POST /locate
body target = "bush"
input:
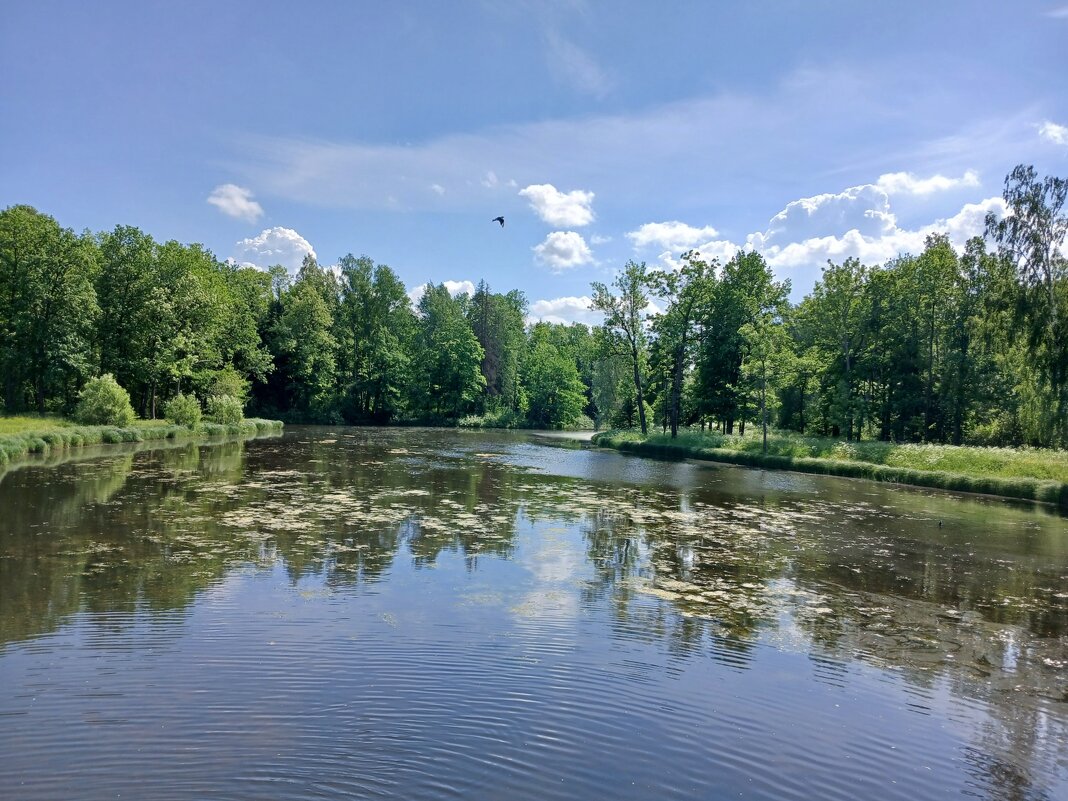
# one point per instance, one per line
(183, 410)
(225, 409)
(104, 403)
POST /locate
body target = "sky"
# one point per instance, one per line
(808, 130)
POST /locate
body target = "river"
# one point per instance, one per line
(432, 614)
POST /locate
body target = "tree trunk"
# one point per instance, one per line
(764, 405)
(641, 394)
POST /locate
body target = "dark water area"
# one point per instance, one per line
(428, 614)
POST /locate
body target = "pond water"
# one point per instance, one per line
(428, 614)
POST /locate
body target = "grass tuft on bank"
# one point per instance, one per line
(20, 436)
(1031, 474)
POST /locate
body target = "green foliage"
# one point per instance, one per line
(624, 323)
(446, 374)
(555, 393)
(104, 402)
(225, 409)
(183, 410)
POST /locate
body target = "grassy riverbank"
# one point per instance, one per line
(20, 436)
(1039, 475)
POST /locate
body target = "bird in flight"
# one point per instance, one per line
(498, 219)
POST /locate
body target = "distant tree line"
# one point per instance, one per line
(941, 346)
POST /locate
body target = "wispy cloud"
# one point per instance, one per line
(678, 150)
(575, 67)
(1058, 13)
(235, 201)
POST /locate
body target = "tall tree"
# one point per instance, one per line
(688, 293)
(447, 379)
(624, 320)
(47, 308)
(1032, 236)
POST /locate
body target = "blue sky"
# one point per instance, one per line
(602, 131)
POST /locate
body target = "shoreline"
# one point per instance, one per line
(1046, 491)
(14, 448)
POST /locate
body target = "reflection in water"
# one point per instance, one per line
(564, 552)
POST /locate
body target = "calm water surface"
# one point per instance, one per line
(425, 614)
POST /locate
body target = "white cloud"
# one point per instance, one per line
(563, 250)
(460, 288)
(274, 246)
(873, 247)
(571, 209)
(565, 310)
(894, 183)
(598, 239)
(490, 180)
(437, 189)
(673, 236)
(1058, 13)
(574, 66)
(235, 201)
(1051, 131)
(456, 288)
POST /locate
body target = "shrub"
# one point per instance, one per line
(225, 409)
(104, 403)
(183, 410)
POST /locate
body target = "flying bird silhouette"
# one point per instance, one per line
(498, 219)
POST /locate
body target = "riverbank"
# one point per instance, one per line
(1035, 475)
(21, 436)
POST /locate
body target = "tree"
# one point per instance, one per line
(839, 313)
(625, 322)
(688, 293)
(498, 322)
(47, 308)
(447, 379)
(745, 290)
(378, 325)
(555, 393)
(1031, 236)
(304, 338)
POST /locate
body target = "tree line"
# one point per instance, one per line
(941, 346)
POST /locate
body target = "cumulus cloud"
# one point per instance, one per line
(875, 247)
(437, 189)
(565, 310)
(571, 209)
(235, 201)
(274, 246)
(894, 183)
(456, 288)
(673, 236)
(563, 250)
(1051, 131)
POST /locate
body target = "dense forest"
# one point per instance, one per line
(940, 346)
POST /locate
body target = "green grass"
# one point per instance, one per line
(1033, 474)
(22, 423)
(20, 436)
